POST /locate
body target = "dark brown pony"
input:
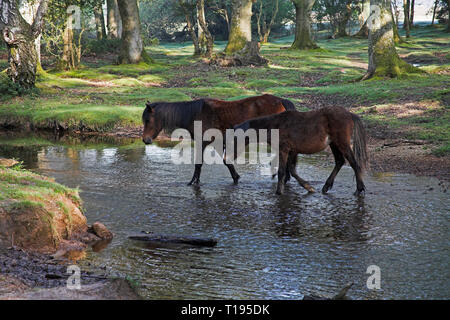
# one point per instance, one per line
(213, 113)
(311, 132)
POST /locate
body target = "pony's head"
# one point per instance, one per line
(152, 125)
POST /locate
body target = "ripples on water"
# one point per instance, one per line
(278, 247)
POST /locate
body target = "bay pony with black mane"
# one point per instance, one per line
(213, 113)
(311, 132)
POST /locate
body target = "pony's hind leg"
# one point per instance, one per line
(348, 154)
(291, 159)
(282, 166)
(339, 162)
(303, 183)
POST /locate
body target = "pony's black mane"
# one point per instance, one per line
(175, 114)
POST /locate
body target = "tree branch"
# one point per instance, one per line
(38, 22)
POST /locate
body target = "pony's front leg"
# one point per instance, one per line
(198, 167)
(282, 165)
(233, 172)
(196, 177)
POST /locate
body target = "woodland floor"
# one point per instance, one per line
(407, 119)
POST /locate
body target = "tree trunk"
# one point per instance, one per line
(200, 34)
(448, 18)
(397, 38)
(342, 23)
(303, 25)
(20, 36)
(383, 58)
(114, 20)
(132, 50)
(363, 32)
(268, 28)
(202, 25)
(28, 11)
(99, 22)
(241, 28)
(434, 11)
(411, 17)
(406, 5)
(68, 60)
(258, 20)
(190, 25)
(365, 12)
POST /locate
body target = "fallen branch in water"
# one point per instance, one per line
(204, 242)
(340, 296)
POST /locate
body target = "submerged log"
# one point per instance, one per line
(152, 238)
(340, 296)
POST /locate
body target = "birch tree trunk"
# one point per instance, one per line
(20, 36)
(28, 11)
(383, 58)
(241, 27)
(303, 25)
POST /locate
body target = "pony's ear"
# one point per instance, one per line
(149, 106)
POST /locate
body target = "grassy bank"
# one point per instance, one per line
(103, 96)
(23, 189)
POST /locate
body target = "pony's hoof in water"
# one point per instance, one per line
(360, 194)
(194, 183)
(236, 180)
(326, 188)
(279, 192)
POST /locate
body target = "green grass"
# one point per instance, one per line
(21, 189)
(103, 97)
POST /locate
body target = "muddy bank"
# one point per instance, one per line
(27, 275)
(42, 231)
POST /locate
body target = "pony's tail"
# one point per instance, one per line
(288, 105)
(360, 143)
